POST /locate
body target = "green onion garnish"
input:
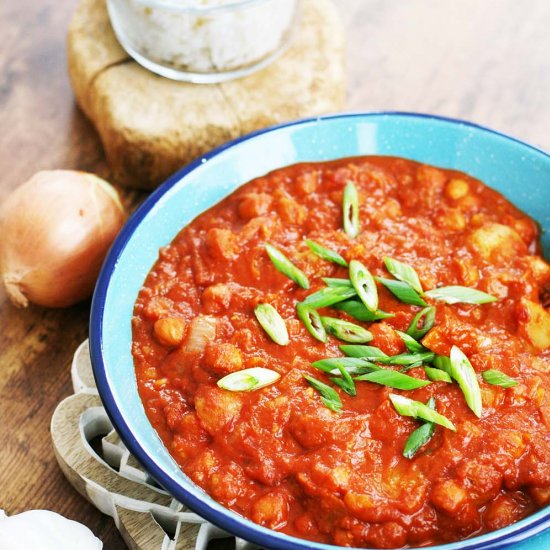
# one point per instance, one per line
(421, 435)
(329, 296)
(427, 316)
(326, 253)
(460, 369)
(312, 321)
(405, 358)
(272, 323)
(248, 379)
(332, 281)
(345, 382)
(402, 291)
(346, 331)
(286, 267)
(350, 210)
(437, 375)
(358, 311)
(460, 295)
(362, 352)
(411, 344)
(498, 378)
(416, 409)
(404, 272)
(393, 379)
(364, 284)
(354, 365)
(329, 395)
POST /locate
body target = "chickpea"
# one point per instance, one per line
(169, 331)
(457, 188)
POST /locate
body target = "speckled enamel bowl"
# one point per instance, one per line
(519, 171)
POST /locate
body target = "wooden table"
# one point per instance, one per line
(484, 61)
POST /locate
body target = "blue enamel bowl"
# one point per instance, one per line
(519, 171)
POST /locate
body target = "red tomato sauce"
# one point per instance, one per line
(277, 455)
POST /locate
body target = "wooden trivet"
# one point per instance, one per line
(147, 517)
(151, 126)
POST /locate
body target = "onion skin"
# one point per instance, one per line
(55, 231)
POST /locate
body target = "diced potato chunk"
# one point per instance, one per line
(271, 510)
(503, 511)
(541, 495)
(169, 331)
(216, 298)
(216, 407)
(452, 219)
(449, 496)
(495, 241)
(534, 323)
(539, 268)
(254, 205)
(291, 211)
(223, 358)
(221, 243)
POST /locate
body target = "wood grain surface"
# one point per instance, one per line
(484, 61)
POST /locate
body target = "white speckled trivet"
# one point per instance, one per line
(147, 517)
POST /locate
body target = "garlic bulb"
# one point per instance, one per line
(55, 230)
(44, 530)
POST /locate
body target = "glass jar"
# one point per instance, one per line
(203, 41)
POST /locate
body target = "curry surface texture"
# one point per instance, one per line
(278, 455)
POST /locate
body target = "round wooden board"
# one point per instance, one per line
(100, 468)
(151, 126)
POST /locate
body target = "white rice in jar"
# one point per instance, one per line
(205, 36)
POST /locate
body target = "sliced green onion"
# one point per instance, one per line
(286, 267)
(405, 358)
(329, 296)
(427, 315)
(345, 382)
(332, 281)
(421, 435)
(362, 352)
(353, 365)
(272, 323)
(346, 331)
(358, 311)
(460, 295)
(364, 284)
(312, 321)
(350, 210)
(329, 395)
(404, 272)
(402, 291)
(460, 369)
(393, 379)
(411, 344)
(416, 409)
(326, 253)
(498, 378)
(248, 379)
(437, 375)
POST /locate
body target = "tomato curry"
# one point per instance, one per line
(278, 455)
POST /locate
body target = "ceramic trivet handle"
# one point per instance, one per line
(147, 517)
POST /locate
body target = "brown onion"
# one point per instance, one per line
(55, 230)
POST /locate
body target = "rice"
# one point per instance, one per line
(203, 41)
